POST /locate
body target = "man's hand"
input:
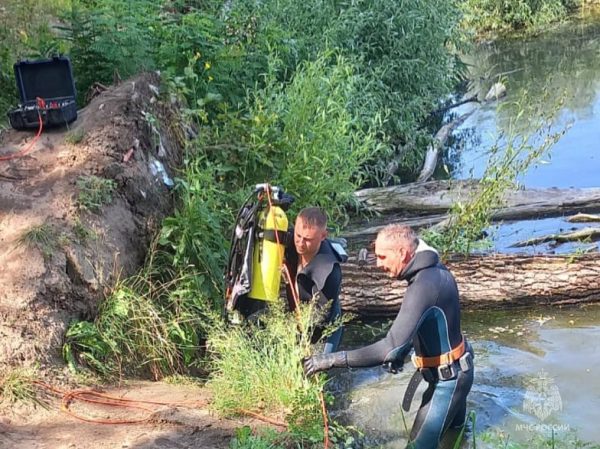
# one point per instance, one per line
(394, 366)
(323, 362)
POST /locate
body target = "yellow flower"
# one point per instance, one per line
(210, 78)
(207, 65)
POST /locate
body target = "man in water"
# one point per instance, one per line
(314, 266)
(429, 322)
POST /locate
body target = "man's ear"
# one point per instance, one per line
(324, 234)
(405, 255)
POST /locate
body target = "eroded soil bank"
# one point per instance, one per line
(57, 258)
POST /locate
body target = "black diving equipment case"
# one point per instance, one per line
(45, 86)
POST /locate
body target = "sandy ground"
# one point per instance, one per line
(172, 426)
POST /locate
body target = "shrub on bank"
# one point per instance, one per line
(502, 15)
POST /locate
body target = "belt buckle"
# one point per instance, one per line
(413, 359)
(466, 362)
(446, 372)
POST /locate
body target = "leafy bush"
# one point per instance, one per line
(505, 15)
(404, 57)
(404, 63)
(109, 38)
(314, 143)
(300, 135)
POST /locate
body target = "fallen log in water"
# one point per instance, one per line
(563, 237)
(438, 197)
(434, 148)
(432, 200)
(483, 281)
(584, 218)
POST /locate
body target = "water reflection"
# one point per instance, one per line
(516, 351)
(562, 64)
(506, 235)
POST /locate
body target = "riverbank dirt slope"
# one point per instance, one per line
(57, 257)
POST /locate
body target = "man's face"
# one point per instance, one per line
(391, 257)
(307, 238)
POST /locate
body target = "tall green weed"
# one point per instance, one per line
(195, 237)
(144, 326)
(258, 369)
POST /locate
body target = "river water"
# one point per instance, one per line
(562, 64)
(537, 371)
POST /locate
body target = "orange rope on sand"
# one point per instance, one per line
(41, 104)
(93, 397)
(262, 418)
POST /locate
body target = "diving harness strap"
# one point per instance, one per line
(460, 357)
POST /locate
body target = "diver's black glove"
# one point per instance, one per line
(394, 366)
(323, 362)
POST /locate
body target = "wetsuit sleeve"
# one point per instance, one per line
(398, 341)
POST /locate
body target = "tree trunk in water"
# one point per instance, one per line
(483, 281)
(439, 142)
(425, 204)
(437, 197)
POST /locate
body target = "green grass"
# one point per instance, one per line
(265, 439)
(500, 439)
(95, 192)
(83, 233)
(17, 386)
(41, 237)
(75, 136)
(145, 327)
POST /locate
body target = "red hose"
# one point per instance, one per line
(41, 105)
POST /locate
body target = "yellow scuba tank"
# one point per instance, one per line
(268, 254)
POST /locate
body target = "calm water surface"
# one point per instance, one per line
(562, 64)
(534, 369)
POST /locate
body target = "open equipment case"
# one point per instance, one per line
(47, 91)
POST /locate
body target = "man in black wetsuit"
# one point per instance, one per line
(314, 266)
(429, 321)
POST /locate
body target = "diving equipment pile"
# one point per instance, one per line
(258, 241)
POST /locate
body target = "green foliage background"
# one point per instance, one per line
(317, 96)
